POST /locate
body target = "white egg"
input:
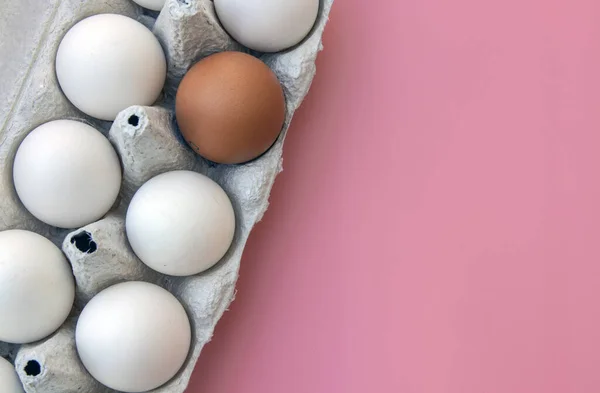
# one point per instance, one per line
(133, 337)
(155, 5)
(37, 288)
(180, 223)
(67, 174)
(109, 62)
(9, 380)
(267, 25)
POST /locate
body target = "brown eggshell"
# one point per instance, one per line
(230, 107)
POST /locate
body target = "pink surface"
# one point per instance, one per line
(437, 225)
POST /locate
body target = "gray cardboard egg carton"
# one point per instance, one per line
(148, 144)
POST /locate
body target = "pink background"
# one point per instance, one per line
(437, 225)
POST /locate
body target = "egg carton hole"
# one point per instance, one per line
(84, 242)
(134, 120)
(33, 368)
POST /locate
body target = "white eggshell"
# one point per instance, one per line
(155, 5)
(180, 223)
(37, 288)
(109, 62)
(67, 174)
(133, 337)
(9, 380)
(267, 25)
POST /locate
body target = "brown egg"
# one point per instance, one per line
(230, 107)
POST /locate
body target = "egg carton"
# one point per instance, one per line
(148, 143)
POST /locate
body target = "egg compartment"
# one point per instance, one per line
(148, 143)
